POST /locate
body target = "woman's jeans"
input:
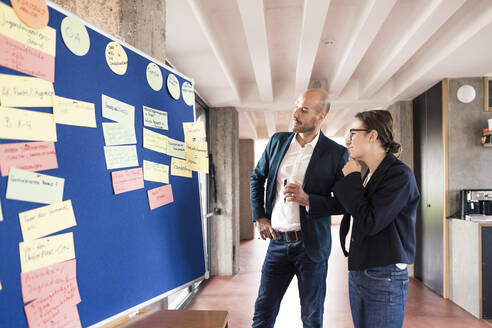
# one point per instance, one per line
(378, 296)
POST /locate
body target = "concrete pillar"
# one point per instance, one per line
(246, 166)
(224, 227)
(141, 24)
(402, 112)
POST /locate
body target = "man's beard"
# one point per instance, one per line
(304, 128)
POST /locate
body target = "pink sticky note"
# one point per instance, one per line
(127, 180)
(40, 283)
(22, 58)
(68, 317)
(160, 196)
(46, 310)
(30, 156)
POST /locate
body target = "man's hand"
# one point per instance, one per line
(265, 228)
(293, 193)
(351, 166)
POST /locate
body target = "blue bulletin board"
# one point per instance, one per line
(126, 254)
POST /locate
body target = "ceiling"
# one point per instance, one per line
(259, 55)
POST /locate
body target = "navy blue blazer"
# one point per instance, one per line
(384, 213)
(324, 169)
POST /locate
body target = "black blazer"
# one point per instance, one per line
(324, 169)
(384, 213)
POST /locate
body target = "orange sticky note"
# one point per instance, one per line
(34, 13)
(29, 156)
(160, 196)
(40, 283)
(127, 180)
(22, 58)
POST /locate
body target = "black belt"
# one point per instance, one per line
(288, 236)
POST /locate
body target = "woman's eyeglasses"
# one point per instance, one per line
(351, 133)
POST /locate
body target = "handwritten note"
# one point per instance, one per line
(155, 118)
(154, 76)
(43, 39)
(180, 168)
(188, 93)
(29, 156)
(41, 282)
(25, 91)
(160, 196)
(46, 220)
(22, 58)
(75, 35)
(38, 253)
(117, 110)
(156, 172)
(197, 163)
(154, 141)
(175, 148)
(173, 86)
(118, 157)
(118, 134)
(26, 125)
(34, 187)
(194, 130)
(127, 180)
(74, 112)
(197, 148)
(34, 13)
(116, 58)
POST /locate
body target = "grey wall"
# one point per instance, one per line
(246, 166)
(469, 162)
(402, 113)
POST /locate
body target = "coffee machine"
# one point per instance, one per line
(476, 205)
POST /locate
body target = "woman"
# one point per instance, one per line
(379, 223)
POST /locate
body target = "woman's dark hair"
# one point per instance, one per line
(382, 122)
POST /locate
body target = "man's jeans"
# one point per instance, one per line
(284, 260)
(378, 296)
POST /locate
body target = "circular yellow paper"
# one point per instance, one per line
(75, 35)
(34, 13)
(116, 58)
(173, 86)
(154, 76)
(188, 93)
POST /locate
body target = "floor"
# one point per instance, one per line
(237, 295)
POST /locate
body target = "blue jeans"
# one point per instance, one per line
(378, 296)
(282, 261)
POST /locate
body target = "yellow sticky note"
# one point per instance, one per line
(118, 134)
(25, 91)
(175, 148)
(155, 172)
(38, 253)
(197, 148)
(197, 163)
(10, 26)
(154, 141)
(26, 125)
(194, 130)
(46, 220)
(180, 168)
(118, 157)
(74, 112)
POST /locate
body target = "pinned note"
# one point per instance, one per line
(34, 187)
(127, 180)
(34, 13)
(180, 168)
(197, 156)
(154, 76)
(173, 86)
(38, 253)
(118, 111)
(154, 141)
(116, 58)
(75, 36)
(74, 112)
(197, 163)
(25, 91)
(41, 282)
(155, 172)
(46, 220)
(155, 118)
(26, 125)
(188, 93)
(175, 148)
(118, 134)
(29, 156)
(120, 156)
(194, 130)
(160, 196)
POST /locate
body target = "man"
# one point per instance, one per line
(300, 168)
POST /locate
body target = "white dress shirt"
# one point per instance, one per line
(285, 214)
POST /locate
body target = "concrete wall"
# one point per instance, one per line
(246, 166)
(402, 113)
(224, 227)
(469, 161)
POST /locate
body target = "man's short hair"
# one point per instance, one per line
(324, 102)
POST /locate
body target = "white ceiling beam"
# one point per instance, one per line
(251, 124)
(270, 122)
(432, 17)
(467, 22)
(371, 19)
(202, 18)
(253, 17)
(313, 22)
